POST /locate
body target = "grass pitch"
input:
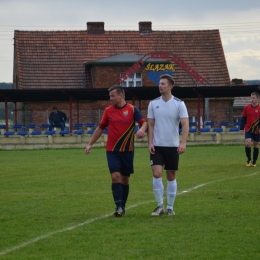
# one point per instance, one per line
(57, 204)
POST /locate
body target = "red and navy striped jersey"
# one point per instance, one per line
(252, 115)
(121, 123)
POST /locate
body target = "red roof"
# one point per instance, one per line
(56, 59)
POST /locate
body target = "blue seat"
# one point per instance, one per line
(209, 123)
(218, 130)
(9, 133)
(17, 126)
(237, 124)
(77, 125)
(36, 133)
(64, 132)
(78, 132)
(192, 130)
(90, 132)
(44, 125)
(224, 123)
(31, 126)
(234, 129)
(50, 132)
(2, 126)
(105, 131)
(90, 125)
(192, 124)
(22, 133)
(180, 130)
(203, 130)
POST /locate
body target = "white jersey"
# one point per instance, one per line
(166, 117)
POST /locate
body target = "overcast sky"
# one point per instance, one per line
(237, 20)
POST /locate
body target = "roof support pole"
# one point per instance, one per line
(6, 115)
(70, 114)
(15, 113)
(207, 110)
(77, 111)
(198, 112)
(203, 110)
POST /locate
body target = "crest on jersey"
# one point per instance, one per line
(125, 113)
(256, 111)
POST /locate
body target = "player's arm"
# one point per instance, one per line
(141, 121)
(98, 132)
(185, 132)
(150, 122)
(242, 125)
(141, 131)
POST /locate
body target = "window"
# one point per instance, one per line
(134, 80)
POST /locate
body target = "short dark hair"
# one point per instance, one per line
(168, 77)
(255, 94)
(119, 89)
(54, 108)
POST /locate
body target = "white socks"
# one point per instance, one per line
(171, 193)
(158, 190)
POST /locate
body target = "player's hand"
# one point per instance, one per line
(151, 149)
(181, 148)
(88, 148)
(241, 132)
(140, 133)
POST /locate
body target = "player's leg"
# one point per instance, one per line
(157, 163)
(117, 192)
(114, 166)
(171, 167)
(256, 149)
(171, 191)
(127, 168)
(248, 140)
(125, 190)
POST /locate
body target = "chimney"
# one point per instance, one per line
(145, 28)
(95, 27)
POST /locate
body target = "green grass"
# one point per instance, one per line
(57, 204)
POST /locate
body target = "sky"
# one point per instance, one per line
(237, 20)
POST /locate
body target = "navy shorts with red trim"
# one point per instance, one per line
(255, 137)
(122, 162)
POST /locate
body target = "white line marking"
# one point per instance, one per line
(105, 216)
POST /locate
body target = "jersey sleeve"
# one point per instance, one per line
(138, 116)
(150, 111)
(104, 121)
(183, 112)
(244, 114)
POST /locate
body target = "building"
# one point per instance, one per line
(96, 58)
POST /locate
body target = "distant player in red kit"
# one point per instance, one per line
(250, 126)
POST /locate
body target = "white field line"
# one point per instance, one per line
(105, 216)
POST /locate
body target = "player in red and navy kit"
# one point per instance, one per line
(250, 126)
(120, 120)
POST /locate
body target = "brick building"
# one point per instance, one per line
(96, 58)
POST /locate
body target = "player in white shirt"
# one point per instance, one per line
(164, 115)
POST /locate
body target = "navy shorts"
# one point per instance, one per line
(167, 156)
(122, 162)
(254, 137)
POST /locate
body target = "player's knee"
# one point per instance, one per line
(157, 174)
(115, 176)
